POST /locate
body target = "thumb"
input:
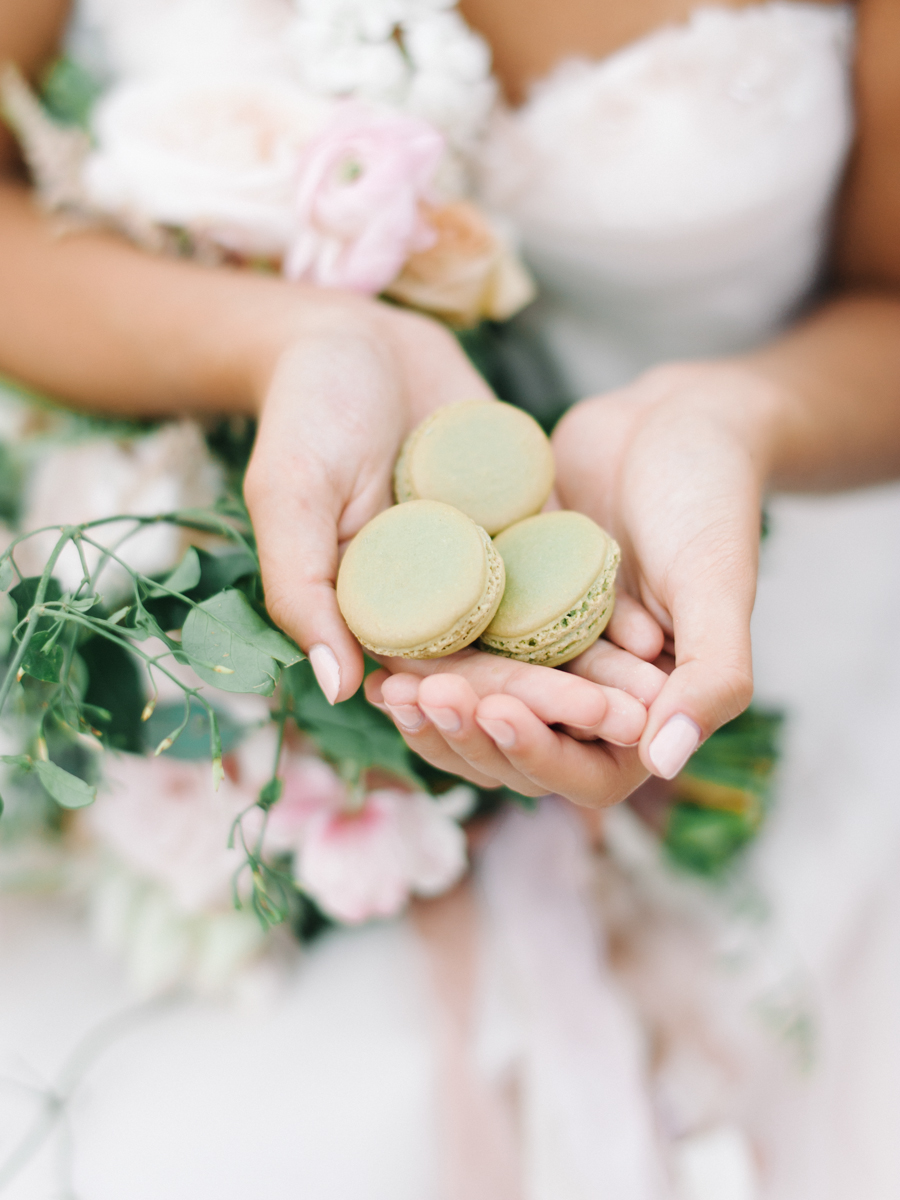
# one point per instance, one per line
(298, 555)
(713, 677)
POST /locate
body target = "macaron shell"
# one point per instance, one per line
(419, 578)
(540, 578)
(490, 460)
(551, 562)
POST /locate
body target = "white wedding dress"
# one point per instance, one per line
(673, 201)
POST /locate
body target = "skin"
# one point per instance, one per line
(338, 382)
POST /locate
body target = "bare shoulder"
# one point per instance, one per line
(30, 35)
(868, 245)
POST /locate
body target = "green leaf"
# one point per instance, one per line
(185, 576)
(220, 571)
(270, 793)
(706, 840)
(82, 606)
(143, 624)
(23, 761)
(69, 91)
(194, 742)
(67, 790)
(24, 594)
(230, 645)
(40, 662)
(351, 732)
(114, 685)
(7, 574)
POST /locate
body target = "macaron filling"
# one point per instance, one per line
(420, 580)
(578, 628)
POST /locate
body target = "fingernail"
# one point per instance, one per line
(674, 745)
(407, 716)
(444, 718)
(326, 670)
(498, 731)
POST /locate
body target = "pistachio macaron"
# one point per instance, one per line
(490, 460)
(560, 576)
(420, 580)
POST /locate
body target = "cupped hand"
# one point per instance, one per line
(673, 467)
(349, 384)
(495, 721)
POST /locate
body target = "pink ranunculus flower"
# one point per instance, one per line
(162, 821)
(362, 183)
(367, 863)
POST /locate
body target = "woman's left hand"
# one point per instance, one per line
(495, 721)
(673, 467)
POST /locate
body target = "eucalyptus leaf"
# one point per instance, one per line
(82, 606)
(143, 625)
(43, 662)
(185, 576)
(17, 760)
(226, 632)
(67, 790)
(194, 742)
(24, 595)
(270, 793)
(350, 732)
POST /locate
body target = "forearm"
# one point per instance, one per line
(835, 419)
(91, 319)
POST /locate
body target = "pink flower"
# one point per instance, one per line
(162, 820)
(311, 787)
(361, 184)
(364, 864)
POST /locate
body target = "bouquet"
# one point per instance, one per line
(162, 739)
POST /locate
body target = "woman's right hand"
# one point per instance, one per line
(344, 390)
(352, 380)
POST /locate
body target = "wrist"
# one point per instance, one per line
(273, 319)
(752, 406)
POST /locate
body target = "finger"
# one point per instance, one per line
(555, 697)
(713, 677)
(634, 629)
(613, 667)
(297, 542)
(445, 732)
(450, 704)
(418, 733)
(303, 496)
(591, 774)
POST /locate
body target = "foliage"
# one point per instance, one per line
(68, 92)
(723, 793)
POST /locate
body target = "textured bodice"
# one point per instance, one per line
(674, 198)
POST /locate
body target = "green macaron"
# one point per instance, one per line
(560, 575)
(490, 460)
(421, 580)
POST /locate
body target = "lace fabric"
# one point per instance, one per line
(684, 211)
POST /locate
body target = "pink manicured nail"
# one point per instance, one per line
(444, 718)
(500, 732)
(326, 670)
(674, 745)
(407, 716)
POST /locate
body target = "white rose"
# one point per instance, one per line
(443, 42)
(457, 108)
(217, 157)
(100, 477)
(332, 59)
(131, 38)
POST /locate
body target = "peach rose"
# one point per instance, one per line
(468, 274)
